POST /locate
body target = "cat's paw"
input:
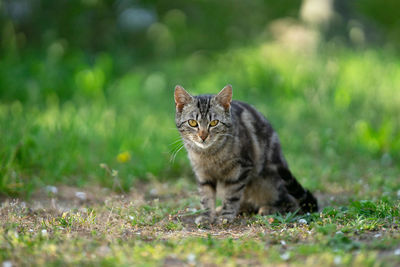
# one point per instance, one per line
(266, 210)
(204, 220)
(225, 219)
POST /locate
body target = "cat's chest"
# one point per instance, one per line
(213, 166)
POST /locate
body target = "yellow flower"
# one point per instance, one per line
(124, 157)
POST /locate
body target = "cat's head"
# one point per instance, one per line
(205, 120)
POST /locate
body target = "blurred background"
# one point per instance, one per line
(86, 87)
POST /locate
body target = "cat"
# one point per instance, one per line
(235, 152)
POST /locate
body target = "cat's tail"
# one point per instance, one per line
(307, 202)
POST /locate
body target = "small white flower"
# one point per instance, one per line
(81, 195)
(339, 232)
(7, 264)
(397, 252)
(302, 221)
(285, 256)
(44, 232)
(131, 217)
(398, 193)
(283, 243)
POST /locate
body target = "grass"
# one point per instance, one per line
(112, 138)
(154, 225)
(334, 110)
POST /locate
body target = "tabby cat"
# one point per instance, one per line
(234, 151)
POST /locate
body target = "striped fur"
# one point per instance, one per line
(240, 159)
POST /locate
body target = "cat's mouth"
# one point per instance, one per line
(202, 144)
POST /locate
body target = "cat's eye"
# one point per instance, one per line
(214, 123)
(192, 123)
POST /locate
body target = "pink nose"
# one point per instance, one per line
(203, 135)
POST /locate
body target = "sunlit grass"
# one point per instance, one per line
(335, 111)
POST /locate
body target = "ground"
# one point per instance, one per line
(153, 224)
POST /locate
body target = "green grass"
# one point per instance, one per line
(336, 112)
(82, 127)
(146, 228)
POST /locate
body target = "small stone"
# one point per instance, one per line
(51, 189)
(7, 264)
(398, 193)
(81, 195)
(377, 235)
(44, 232)
(191, 258)
(153, 192)
(283, 243)
(285, 256)
(302, 221)
(337, 260)
(397, 252)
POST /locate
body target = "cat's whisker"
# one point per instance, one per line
(175, 142)
(178, 146)
(175, 154)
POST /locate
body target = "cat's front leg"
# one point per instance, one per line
(207, 191)
(233, 193)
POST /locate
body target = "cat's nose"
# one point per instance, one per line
(203, 135)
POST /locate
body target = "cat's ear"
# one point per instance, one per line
(181, 98)
(225, 97)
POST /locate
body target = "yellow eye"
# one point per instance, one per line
(214, 123)
(192, 123)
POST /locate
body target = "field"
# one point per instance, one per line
(113, 139)
(154, 225)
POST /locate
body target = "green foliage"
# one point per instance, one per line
(65, 140)
(336, 112)
(74, 98)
